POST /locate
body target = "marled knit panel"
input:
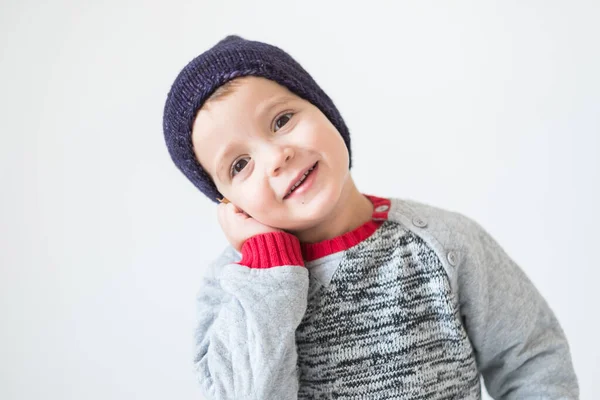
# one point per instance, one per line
(386, 327)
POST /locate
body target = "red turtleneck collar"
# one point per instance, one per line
(282, 248)
(312, 251)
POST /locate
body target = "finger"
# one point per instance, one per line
(222, 212)
(232, 212)
(236, 209)
(221, 209)
(231, 208)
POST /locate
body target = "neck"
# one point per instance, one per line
(354, 210)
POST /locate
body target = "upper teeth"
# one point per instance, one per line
(300, 181)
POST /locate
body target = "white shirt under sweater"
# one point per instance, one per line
(419, 309)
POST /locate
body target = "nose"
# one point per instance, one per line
(278, 157)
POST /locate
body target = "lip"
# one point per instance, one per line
(297, 178)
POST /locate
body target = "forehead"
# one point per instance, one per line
(225, 122)
(248, 98)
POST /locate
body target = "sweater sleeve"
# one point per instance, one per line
(245, 344)
(520, 347)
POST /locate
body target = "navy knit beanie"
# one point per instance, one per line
(231, 58)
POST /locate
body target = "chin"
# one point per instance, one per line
(315, 210)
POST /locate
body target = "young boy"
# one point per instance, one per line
(326, 292)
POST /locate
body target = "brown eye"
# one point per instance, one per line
(238, 166)
(281, 121)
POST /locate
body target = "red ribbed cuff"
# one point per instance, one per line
(271, 249)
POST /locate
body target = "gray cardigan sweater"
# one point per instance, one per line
(421, 308)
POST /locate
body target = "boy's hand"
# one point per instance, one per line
(239, 226)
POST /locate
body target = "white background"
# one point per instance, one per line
(489, 109)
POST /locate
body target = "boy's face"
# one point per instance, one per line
(256, 141)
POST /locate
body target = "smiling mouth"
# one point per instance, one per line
(301, 181)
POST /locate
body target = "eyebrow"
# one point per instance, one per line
(274, 103)
(265, 109)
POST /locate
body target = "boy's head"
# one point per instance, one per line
(243, 119)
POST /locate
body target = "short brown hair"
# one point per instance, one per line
(224, 90)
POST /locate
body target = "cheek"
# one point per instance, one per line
(252, 204)
(261, 206)
(252, 200)
(324, 137)
(312, 135)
